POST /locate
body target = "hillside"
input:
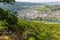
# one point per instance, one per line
(45, 12)
(32, 30)
(25, 5)
(18, 6)
(32, 21)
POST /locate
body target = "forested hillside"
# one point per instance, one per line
(18, 6)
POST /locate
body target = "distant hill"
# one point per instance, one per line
(18, 6)
(24, 5)
(47, 12)
(52, 3)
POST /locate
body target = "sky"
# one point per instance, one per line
(38, 0)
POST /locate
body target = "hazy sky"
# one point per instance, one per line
(39, 0)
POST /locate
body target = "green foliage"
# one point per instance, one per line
(8, 1)
(39, 31)
(3, 14)
(29, 30)
(7, 16)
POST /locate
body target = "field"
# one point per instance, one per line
(35, 30)
(41, 30)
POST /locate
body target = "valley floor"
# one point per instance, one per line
(45, 22)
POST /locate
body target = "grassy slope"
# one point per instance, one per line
(42, 31)
(38, 30)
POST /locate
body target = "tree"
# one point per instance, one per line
(8, 1)
(7, 16)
